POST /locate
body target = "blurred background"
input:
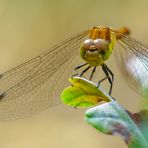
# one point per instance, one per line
(27, 28)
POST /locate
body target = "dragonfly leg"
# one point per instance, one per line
(81, 74)
(101, 81)
(92, 73)
(111, 73)
(110, 79)
(78, 67)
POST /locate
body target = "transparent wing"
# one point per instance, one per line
(45, 95)
(25, 89)
(132, 58)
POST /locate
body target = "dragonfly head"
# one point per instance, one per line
(93, 51)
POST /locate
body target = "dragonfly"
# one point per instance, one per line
(36, 84)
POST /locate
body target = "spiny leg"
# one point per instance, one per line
(101, 81)
(84, 71)
(92, 73)
(111, 73)
(105, 70)
(78, 67)
(106, 76)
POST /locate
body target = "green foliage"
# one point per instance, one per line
(111, 118)
(82, 93)
(108, 117)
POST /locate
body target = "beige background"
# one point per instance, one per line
(29, 27)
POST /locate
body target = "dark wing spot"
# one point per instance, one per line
(2, 96)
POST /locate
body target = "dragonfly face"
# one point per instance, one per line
(97, 49)
(95, 52)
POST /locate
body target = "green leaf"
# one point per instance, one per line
(82, 93)
(111, 118)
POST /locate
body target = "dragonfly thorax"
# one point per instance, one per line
(95, 52)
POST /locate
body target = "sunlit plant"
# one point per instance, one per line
(107, 116)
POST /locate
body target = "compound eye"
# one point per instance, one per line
(87, 43)
(101, 44)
